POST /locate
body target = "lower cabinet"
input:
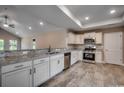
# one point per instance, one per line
(98, 57)
(56, 64)
(74, 57)
(41, 72)
(80, 55)
(26, 74)
(18, 78)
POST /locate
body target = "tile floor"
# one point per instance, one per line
(88, 75)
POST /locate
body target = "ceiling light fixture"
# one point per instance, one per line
(29, 27)
(41, 23)
(87, 18)
(112, 11)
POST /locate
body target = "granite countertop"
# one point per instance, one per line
(8, 61)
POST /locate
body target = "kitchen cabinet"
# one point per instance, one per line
(98, 57)
(89, 35)
(17, 75)
(79, 39)
(99, 38)
(56, 64)
(95, 35)
(80, 55)
(41, 71)
(74, 57)
(75, 38)
(71, 38)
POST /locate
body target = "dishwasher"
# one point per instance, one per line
(67, 57)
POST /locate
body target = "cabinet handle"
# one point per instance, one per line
(30, 71)
(34, 70)
(19, 66)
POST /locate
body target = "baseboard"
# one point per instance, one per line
(114, 63)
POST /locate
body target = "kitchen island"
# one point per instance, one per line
(32, 68)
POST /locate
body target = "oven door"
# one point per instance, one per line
(89, 56)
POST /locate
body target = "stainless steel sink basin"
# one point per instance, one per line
(52, 53)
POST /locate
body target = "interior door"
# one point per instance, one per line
(113, 47)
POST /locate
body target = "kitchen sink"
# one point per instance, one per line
(52, 53)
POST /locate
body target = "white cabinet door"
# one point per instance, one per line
(53, 67)
(93, 35)
(89, 35)
(60, 65)
(41, 73)
(71, 38)
(82, 39)
(86, 35)
(74, 57)
(80, 55)
(98, 57)
(99, 38)
(19, 78)
(79, 39)
(56, 64)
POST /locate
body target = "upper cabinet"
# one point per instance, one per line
(71, 38)
(99, 38)
(75, 38)
(79, 38)
(89, 35)
(95, 35)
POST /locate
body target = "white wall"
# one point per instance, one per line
(57, 39)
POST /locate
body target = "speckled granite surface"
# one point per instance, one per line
(14, 60)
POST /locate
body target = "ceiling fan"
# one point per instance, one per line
(5, 22)
(6, 18)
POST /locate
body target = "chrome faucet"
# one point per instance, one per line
(49, 49)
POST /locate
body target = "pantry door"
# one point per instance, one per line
(113, 48)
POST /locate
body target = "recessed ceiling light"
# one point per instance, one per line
(112, 11)
(41, 23)
(29, 27)
(87, 18)
(6, 25)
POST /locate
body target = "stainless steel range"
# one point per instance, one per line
(89, 50)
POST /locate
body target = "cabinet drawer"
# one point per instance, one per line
(57, 56)
(16, 66)
(39, 61)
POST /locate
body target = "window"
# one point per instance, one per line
(13, 44)
(34, 45)
(1, 44)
